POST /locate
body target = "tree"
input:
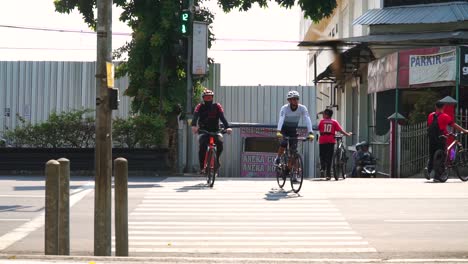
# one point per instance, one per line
(154, 65)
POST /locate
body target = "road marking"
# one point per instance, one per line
(229, 223)
(238, 214)
(14, 220)
(284, 210)
(225, 233)
(241, 238)
(21, 196)
(24, 230)
(168, 249)
(168, 226)
(246, 243)
(426, 220)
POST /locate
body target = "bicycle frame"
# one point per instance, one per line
(211, 145)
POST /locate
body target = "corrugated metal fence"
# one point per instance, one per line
(33, 89)
(259, 104)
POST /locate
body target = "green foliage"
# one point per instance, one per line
(145, 131)
(67, 129)
(316, 10)
(423, 106)
(76, 129)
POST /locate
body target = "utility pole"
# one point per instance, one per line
(189, 98)
(103, 153)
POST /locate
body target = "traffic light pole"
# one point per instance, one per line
(103, 152)
(189, 163)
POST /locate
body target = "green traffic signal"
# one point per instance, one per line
(185, 22)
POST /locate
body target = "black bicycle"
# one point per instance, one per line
(295, 170)
(210, 164)
(339, 159)
(448, 163)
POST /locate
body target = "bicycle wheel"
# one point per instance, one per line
(337, 169)
(439, 166)
(280, 172)
(461, 162)
(297, 173)
(211, 168)
(343, 161)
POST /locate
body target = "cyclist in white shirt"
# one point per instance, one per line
(290, 115)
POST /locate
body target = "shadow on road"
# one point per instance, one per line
(196, 187)
(279, 194)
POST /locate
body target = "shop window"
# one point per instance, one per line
(263, 144)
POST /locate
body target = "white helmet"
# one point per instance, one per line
(293, 94)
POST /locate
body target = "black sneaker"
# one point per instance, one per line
(427, 174)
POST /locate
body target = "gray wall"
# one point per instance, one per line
(258, 104)
(33, 89)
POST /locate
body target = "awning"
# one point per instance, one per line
(451, 12)
(351, 59)
(407, 39)
(411, 39)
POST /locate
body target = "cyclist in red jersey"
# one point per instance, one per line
(206, 117)
(327, 129)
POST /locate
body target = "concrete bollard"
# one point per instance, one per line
(52, 172)
(121, 206)
(64, 208)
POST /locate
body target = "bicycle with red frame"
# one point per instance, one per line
(210, 163)
(449, 160)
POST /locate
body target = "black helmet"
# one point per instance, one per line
(364, 144)
(328, 112)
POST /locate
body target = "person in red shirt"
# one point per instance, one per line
(444, 121)
(327, 129)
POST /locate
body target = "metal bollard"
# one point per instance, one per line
(52, 172)
(121, 206)
(64, 208)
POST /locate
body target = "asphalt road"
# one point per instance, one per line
(180, 220)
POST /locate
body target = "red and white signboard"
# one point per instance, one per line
(432, 68)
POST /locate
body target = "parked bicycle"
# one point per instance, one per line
(339, 159)
(295, 169)
(210, 163)
(448, 163)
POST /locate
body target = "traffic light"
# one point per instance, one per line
(185, 22)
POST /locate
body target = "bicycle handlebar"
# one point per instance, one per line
(222, 131)
(455, 135)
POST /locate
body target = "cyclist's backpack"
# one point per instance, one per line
(433, 131)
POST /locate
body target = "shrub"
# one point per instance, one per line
(76, 129)
(144, 131)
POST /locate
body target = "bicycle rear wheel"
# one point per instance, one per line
(439, 166)
(211, 168)
(461, 161)
(297, 173)
(280, 172)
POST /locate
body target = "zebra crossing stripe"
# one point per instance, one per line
(225, 233)
(252, 250)
(229, 223)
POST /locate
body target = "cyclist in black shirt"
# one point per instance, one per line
(207, 116)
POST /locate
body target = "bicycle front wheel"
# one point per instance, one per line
(461, 161)
(297, 173)
(280, 172)
(337, 168)
(211, 168)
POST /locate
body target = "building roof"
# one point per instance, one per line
(416, 14)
